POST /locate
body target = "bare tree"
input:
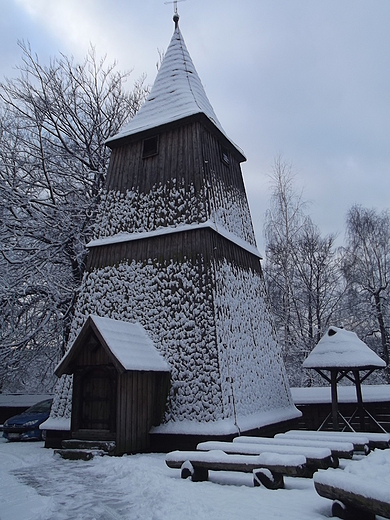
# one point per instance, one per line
(318, 286)
(301, 270)
(366, 265)
(55, 120)
(283, 222)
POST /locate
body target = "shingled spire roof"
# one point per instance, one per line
(177, 93)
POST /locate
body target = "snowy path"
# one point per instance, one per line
(77, 492)
(36, 485)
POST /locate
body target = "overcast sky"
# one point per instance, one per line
(308, 80)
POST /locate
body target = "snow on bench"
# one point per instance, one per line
(316, 457)
(268, 468)
(376, 440)
(360, 442)
(343, 450)
(354, 496)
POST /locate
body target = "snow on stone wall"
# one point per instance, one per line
(210, 323)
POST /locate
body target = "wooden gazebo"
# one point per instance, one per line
(341, 354)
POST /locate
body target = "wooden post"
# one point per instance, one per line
(333, 376)
(359, 397)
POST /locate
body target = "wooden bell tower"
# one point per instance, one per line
(175, 251)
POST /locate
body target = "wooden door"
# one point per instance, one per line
(97, 405)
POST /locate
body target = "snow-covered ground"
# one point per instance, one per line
(37, 485)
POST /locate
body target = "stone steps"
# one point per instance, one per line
(76, 449)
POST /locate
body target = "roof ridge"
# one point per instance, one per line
(181, 40)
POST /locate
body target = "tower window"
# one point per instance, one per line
(150, 147)
(225, 156)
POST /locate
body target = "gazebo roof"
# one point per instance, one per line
(127, 344)
(340, 349)
(177, 93)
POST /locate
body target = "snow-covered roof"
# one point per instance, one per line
(176, 93)
(230, 426)
(131, 345)
(340, 348)
(128, 343)
(22, 400)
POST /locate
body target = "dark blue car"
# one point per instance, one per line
(25, 426)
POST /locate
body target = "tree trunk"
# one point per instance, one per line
(382, 328)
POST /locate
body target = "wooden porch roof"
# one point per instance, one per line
(127, 345)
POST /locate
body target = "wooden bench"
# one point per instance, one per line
(379, 441)
(343, 450)
(360, 442)
(316, 458)
(354, 497)
(268, 468)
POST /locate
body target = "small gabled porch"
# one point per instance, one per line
(120, 384)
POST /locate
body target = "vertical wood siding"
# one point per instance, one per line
(123, 406)
(190, 244)
(179, 157)
(189, 154)
(141, 400)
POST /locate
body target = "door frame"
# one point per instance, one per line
(80, 378)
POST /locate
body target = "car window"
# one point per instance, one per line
(42, 407)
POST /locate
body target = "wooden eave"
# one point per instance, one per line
(135, 237)
(67, 366)
(345, 369)
(199, 117)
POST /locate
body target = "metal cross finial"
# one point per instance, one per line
(175, 14)
(174, 4)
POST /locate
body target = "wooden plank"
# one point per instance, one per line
(127, 413)
(140, 431)
(143, 409)
(134, 412)
(124, 411)
(175, 246)
(111, 166)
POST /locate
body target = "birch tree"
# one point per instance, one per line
(283, 222)
(301, 271)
